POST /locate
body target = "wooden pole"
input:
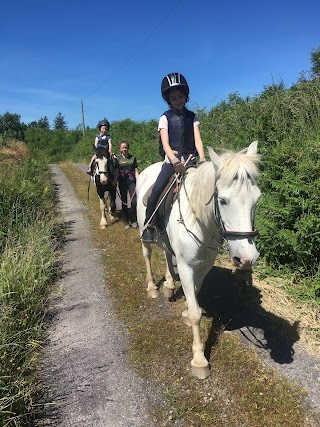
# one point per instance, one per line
(83, 126)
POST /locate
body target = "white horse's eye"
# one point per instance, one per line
(222, 201)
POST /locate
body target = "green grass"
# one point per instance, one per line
(28, 265)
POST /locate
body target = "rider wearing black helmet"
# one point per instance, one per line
(179, 140)
(102, 138)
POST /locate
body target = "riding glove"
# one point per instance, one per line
(179, 167)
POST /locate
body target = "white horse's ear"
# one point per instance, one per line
(214, 156)
(253, 148)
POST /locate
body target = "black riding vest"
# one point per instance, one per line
(181, 133)
(103, 141)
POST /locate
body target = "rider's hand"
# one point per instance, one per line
(179, 167)
(201, 161)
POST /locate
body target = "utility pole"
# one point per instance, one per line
(83, 127)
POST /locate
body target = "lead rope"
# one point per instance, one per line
(89, 187)
(130, 200)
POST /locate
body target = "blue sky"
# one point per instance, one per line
(113, 55)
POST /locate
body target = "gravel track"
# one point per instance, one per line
(88, 380)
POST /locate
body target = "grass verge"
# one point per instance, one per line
(28, 262)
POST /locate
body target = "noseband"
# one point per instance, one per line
(229, 234)
(99, 172)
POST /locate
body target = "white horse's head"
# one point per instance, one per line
(236, 197)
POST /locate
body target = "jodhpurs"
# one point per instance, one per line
(126, 186)
(166, 172)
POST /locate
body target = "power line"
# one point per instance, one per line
(135, 51)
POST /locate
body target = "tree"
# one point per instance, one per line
(33, 124)
(315, 60)
(43, 123)
(11, 127)
(59, 123)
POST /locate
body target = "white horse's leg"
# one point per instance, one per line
(200, 274)
(103, 221)
(168, 285)
(199, 364)
(185, 315)
(152, 289)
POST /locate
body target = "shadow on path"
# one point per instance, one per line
(235, 304)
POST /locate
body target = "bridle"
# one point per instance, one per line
(101, 152)
(99, 172)
(229, 233)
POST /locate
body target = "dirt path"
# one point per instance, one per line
(88, 379)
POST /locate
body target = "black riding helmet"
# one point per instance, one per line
(104, 122)
(174, 81)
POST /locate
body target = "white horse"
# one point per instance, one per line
(217, 201)
(104, 177)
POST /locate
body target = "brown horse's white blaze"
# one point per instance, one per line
(217, 202)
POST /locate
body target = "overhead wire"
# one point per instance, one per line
(135, 51)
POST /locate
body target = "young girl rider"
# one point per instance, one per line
(103, 139)
(180, 136)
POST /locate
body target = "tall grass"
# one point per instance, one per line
(28, 260)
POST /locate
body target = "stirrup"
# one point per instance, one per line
(148, 235)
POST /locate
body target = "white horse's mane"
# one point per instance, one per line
(234, 169)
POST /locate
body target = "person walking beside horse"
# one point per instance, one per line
(128, 174)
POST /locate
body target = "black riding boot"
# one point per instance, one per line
(149, 233)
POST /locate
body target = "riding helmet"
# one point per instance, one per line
(104, 122)
(176, 81)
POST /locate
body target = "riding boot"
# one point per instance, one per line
(149, 233)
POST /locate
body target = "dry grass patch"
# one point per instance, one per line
(240, 392)
(14, 150)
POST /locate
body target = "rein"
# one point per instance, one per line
(196, 218)
(164, 196)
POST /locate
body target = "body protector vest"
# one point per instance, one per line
(127, 166)
(104, 142)
(181, 133)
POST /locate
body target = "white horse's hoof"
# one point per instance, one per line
(153, 293)
(200, 372)
(167, 292)
(103, 226)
